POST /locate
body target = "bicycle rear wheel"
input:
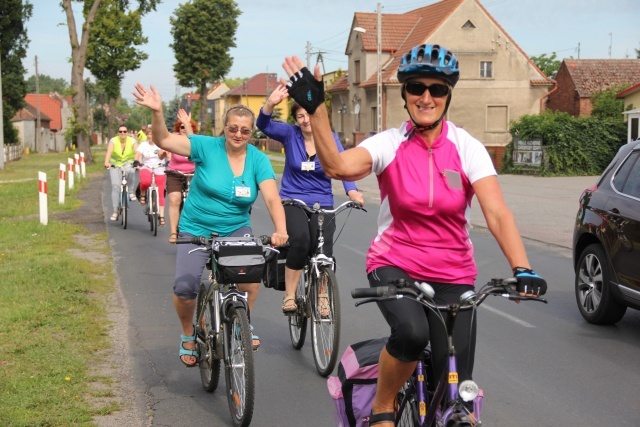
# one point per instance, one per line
(298, 321)
(154, 212)
(239, 368)
(407, 412)
(209, 366)
(325, 320)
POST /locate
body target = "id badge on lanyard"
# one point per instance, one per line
(243, 191)
(308, 166)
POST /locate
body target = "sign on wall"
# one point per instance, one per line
(527, 153)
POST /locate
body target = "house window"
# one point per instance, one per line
(374, 119)
(486, 69)
(468, 25)
(635, 127)
(356, 65)
(497, 118)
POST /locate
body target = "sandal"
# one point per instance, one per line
(323, 305)
(143, 200)
(289, 305)
(114, 216)
(255, 345)
(187, 352)
(161, 222)
(173, 237)
(382, 417)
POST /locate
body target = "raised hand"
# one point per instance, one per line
(306, 89)
(184, 117)
(278, 95)
(147, 98)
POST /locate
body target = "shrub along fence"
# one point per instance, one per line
(571, 145)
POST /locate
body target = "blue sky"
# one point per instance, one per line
(269, 30)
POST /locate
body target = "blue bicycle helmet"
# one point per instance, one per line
(429, 60)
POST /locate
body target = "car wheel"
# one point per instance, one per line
(593, 288)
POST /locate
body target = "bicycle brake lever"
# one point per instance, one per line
(198, 249)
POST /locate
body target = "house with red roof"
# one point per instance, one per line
(498, 81)
(56, 109)
(579, 79)
(254, 93)
(631, 97)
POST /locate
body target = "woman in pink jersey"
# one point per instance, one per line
(178, 166)
(428, 171)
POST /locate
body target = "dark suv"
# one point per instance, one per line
(606, 241)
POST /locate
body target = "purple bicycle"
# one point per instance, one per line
(450, 404)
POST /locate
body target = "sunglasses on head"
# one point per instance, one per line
(436, 90)
(234, 129)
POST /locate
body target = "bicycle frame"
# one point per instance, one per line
(446, 404)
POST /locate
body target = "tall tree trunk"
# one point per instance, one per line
(79, 59)
(205, 122)
(111, 118)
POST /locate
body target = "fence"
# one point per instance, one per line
(12, 152)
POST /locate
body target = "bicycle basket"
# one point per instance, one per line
(274, 270)
(240, 262)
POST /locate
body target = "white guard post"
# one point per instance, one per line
(83, 168)
(42, 194)
(61, 187)
(70, 163)
(76, 166)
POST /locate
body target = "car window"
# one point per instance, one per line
(632, 186)
(627, 178)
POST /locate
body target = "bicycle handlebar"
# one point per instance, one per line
(316, 207)
(209, 241)
(423, 294)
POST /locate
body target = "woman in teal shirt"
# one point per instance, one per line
(229, 172)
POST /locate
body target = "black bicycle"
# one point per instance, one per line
(123, 202)
(449, 404)
(222, 328)
(317, 296)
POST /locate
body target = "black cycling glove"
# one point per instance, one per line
(306, 90)
(529, 282)
(136, 164)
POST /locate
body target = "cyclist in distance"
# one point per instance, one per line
(304, 179)
(183, 126)
(141, 136)
(428, 171)
(121, 151)
(228, 174)
(151, 156)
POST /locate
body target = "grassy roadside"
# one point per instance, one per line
(52, 302)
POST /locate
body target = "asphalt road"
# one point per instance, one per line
(539, 365)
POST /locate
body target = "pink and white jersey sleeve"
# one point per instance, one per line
(426, 193)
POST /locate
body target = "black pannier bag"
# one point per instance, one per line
(240, 263)
(274, 269)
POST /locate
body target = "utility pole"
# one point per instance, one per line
(309, 57)
(320, 59)
(610, 42)
(1, 121)
(39, 144)
(578, 50)
(379, 84)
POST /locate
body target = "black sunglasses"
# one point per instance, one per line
(436, 90)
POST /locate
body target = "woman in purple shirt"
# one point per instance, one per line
(303, 179)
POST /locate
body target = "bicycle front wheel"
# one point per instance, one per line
(209, 366)
(298, 321)
(125, 206)
(325, 320)
(239, 368)
(154, 212)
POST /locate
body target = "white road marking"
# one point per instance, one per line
(508, 316)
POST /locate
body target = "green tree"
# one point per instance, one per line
(203, 32)
(231, 82)
(79, 47)
(606, 105)
(47, 84)
(112, 48)
(13, 49)
(171, 113)
(547, 64)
